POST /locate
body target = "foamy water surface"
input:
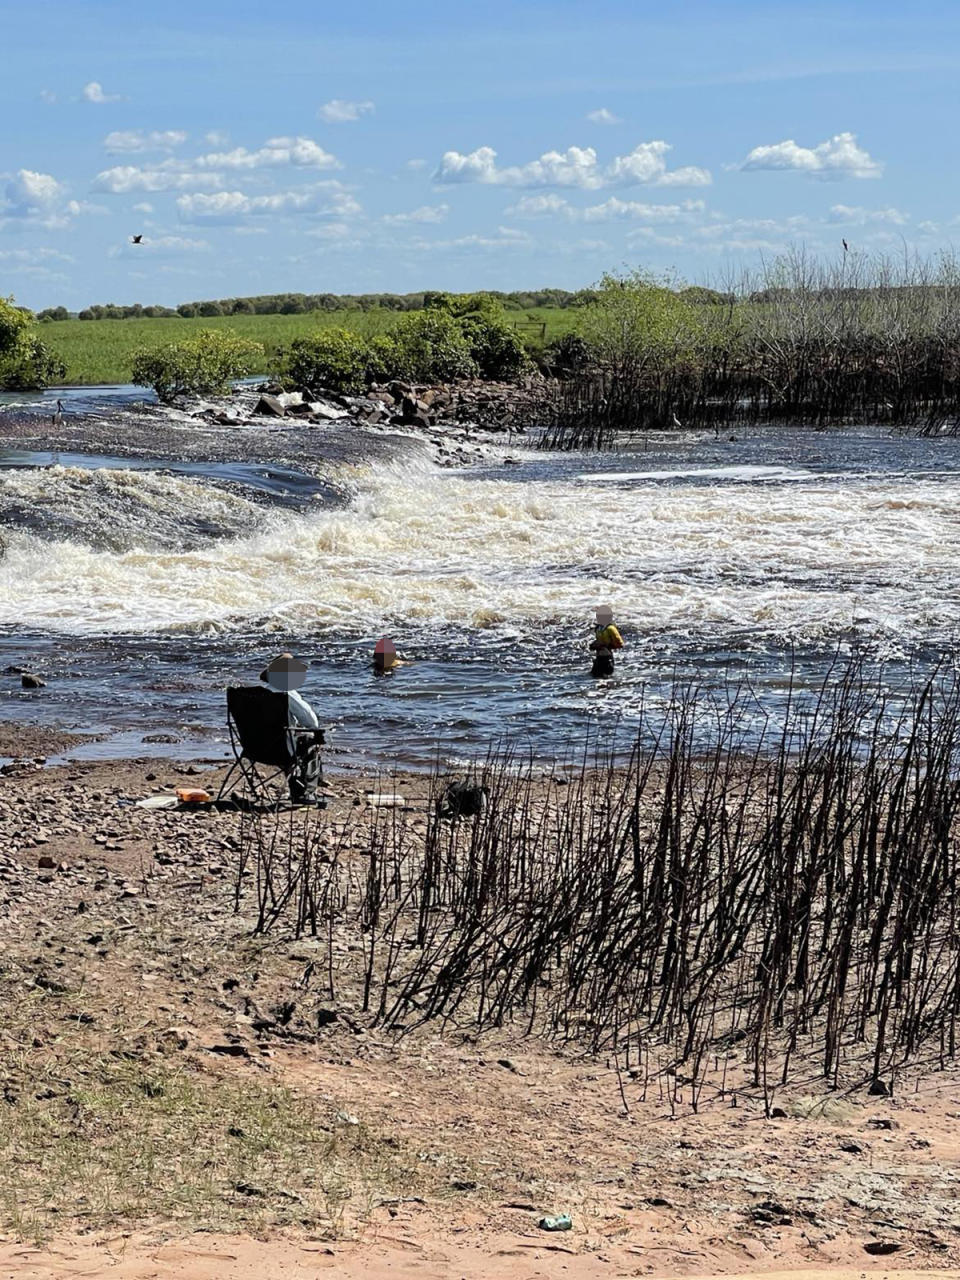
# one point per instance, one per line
(725, 557)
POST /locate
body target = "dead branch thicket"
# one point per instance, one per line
(794, 892)
(871, 340)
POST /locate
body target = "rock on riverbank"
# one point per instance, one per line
(488, 406)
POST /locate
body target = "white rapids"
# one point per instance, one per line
(776, 551)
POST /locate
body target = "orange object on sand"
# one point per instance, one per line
(193, 795)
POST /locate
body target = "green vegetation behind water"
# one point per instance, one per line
(101, 351)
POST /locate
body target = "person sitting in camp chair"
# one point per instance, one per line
(285, 674)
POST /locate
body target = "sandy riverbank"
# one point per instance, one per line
(166, 1072)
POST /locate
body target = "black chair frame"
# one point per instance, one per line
(264, 744)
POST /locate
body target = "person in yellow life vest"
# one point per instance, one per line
(606, 640)
(385, 657)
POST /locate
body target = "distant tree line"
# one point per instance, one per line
(289, 304)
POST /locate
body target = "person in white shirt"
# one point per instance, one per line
(285, 674)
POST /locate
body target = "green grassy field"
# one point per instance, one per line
(97, 351)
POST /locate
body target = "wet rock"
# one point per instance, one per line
(270, 406)
(414, 412)
(328, 412)
(30, 681)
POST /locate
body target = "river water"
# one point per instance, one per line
(140, 587)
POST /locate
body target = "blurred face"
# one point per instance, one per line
(284, 674)
(604, 616)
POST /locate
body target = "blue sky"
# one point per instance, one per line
(381, 146)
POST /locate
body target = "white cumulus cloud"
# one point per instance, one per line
(603, 116)
(505, 238)
(332, 231)
(538, 206)
(144, 207)
(339, 112)
(93, 92)
(30, 198)
(839, 157)
(575, 167)
(74, 207)
(29, 191)
(128, 140)
(234, 206)
(612, 209)
(636, 210)
(127, 177)
(302, 153)
(30, 257)
(426, 213)
(854, 215)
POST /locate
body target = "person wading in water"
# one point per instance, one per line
(606, 640)
(385, 657)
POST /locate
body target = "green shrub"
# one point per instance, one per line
(495, 346)
(432, 347)
(26, 363)
(334, 358)
(14, 323)
(204, 365)
(31, 366)
(566, 355)
(383, 358)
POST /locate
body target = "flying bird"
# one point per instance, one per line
(136, 239)
(845, 245)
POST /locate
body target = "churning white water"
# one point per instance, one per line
(781, 552)
(142, 592)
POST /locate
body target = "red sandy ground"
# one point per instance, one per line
(650, 1194)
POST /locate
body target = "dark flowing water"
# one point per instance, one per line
(140, 587)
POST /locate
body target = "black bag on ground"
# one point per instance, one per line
(462, 800)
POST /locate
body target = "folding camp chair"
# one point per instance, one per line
(260, 734)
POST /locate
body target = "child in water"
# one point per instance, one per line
(606, 639)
